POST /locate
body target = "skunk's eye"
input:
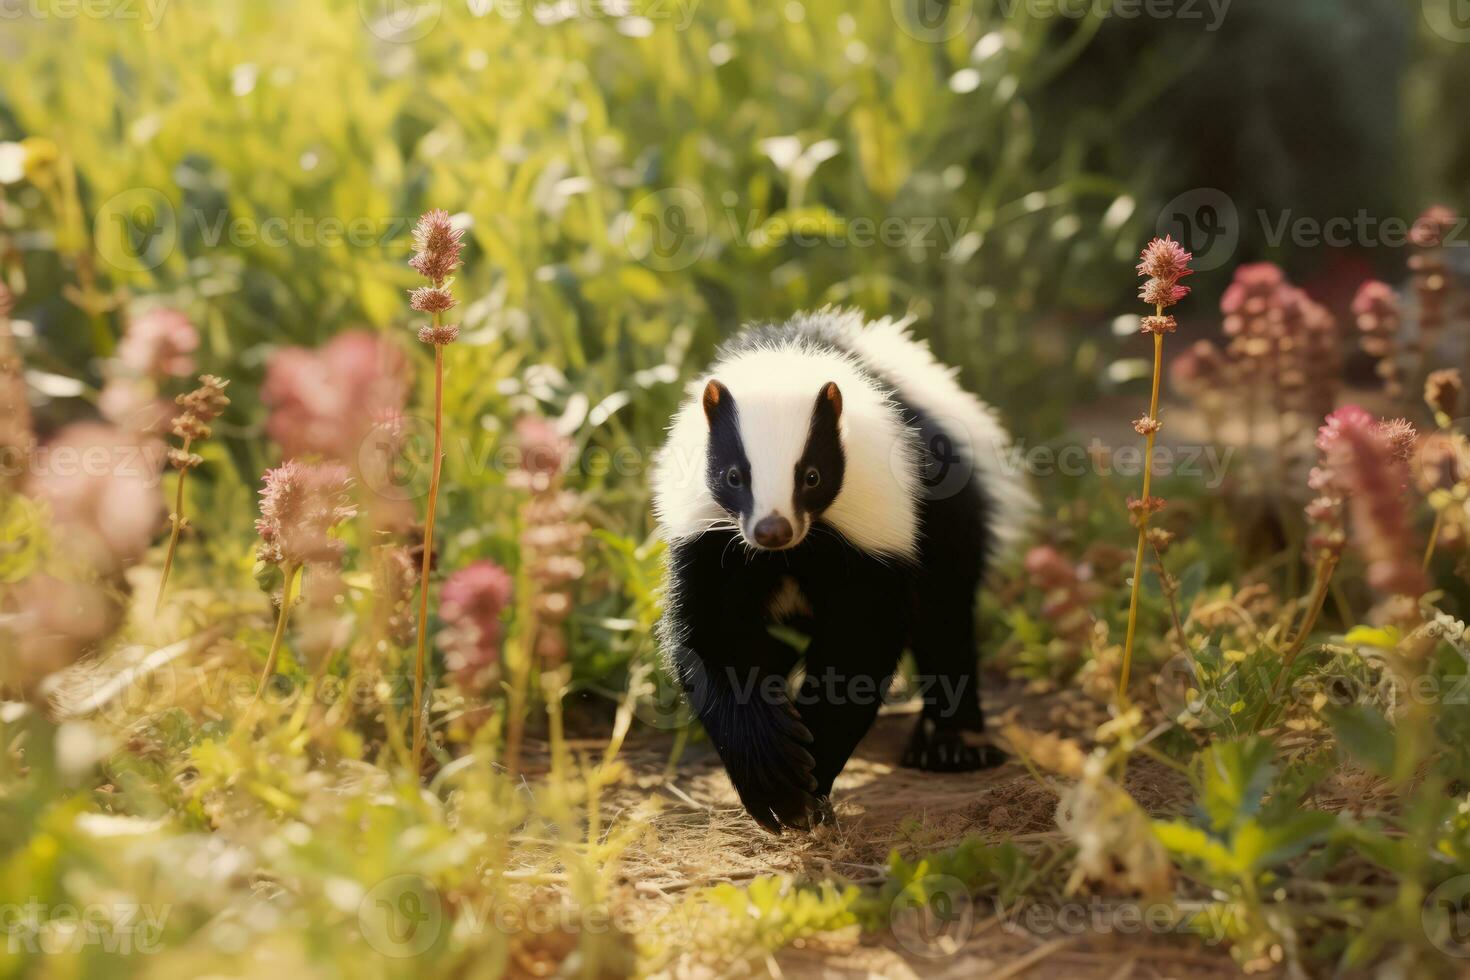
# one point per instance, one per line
(733, 477)
(813, 477)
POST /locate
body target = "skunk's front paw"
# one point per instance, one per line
(771, 767)
(937, 749)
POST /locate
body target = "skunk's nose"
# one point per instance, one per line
(773, 532)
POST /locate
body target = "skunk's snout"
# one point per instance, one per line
(773, 532)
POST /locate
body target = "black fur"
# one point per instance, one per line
(822, 457)
(727, 471)
(865, 609)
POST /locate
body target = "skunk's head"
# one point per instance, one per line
(774, 465)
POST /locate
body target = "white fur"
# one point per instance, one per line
(774, 391)
(925, 383)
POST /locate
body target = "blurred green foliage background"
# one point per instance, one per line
(638, 180)
(982, 165)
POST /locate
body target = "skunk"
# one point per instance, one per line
(830, 475)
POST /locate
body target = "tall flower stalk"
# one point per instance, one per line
(1327, 538)
(299, 506)
(1442, 466)
(1363, 461)
(1163, 264)
(436, 247)
(552, 539)
(200, 407)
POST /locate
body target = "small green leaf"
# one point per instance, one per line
(1383, 637)
(1365, 734)
(1235, 776)
(1192, 843)
(1259, 847)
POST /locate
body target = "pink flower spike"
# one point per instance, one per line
(471, 604)
(436, 244)
(1332, 426)
(1164, 258)
(431, 299)
(159, 344)
(329, 400)
(299, 505)
(1374, 297)
(1431, 227)
(1161, 292)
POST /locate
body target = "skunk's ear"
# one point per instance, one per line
(831, 396)
(717, 400)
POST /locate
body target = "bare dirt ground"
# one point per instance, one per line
(703, 837)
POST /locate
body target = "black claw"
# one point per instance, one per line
(804, 758)
(946, 750)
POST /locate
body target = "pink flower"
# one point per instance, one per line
(544, 450)
(1401, 438)
(444, 333)
(132, 404)
(299, 506)
(470, 604)
(1375, 298)
(1164, 258)
(59, 621)
(1162, 292)
(1070, 592)
(431, 299)
(1165, 262)
(1432, 226)
(1252, 290)
(158, 344)
(1200, 368)
(1361, 451)
(436, 245)
(327, 401)
(102, 486)
(1344, 417)
(1048, 568)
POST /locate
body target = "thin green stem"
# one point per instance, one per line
(1148, 471)
(421, 655)
(281, 618)
(177, 519)
(1433, 538)
(1326, 565)
(1171, 593)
